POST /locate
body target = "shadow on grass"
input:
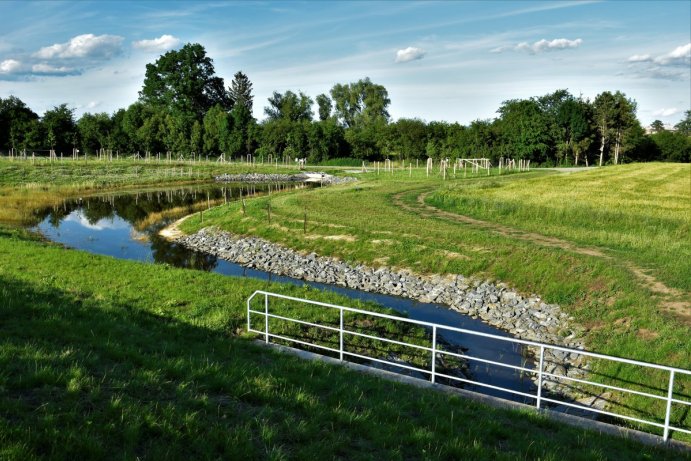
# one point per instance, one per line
(82, 377)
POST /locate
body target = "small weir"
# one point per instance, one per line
(126, 226)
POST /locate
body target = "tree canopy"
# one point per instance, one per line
(185, 82)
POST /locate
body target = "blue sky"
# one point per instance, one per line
(446, 60)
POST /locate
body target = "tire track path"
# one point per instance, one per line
(671, 300)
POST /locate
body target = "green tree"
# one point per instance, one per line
(59, 125)
(657, 126)
(184, 82)
(524, 130)
(240, 91)
(360, 102)
(410, 137)
(289, 106)
(16, 120)
(94, 131)
(684, 125)
(240, 141)
(673, 146)
(325, 106)
(615, 114)
(574, 120)
(215, 130)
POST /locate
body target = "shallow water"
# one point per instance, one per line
(120, 226)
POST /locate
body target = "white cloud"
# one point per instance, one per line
(666, 112)
(640, 58)
(541, 46)
(162, 43)
(410, 54)
(43, 68)
(10, 66)
(82, 46)
(679, 55)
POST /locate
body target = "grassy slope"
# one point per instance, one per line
(115, 359)
(364, 223)
(640, 212)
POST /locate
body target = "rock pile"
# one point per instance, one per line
(525, 317)
(323, 178)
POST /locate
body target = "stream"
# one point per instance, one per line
(126, 226)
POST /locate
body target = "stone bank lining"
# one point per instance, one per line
(524, 317)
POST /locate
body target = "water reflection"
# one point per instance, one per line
(127, 225)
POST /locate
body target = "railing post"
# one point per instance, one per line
(266, 318)
(340, 332)
(248, 314)
(539, 376)
(434, 352)
(670, 393)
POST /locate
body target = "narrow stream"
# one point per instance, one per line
(126, 226)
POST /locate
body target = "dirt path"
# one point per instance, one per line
(172, 231)
(671, 299)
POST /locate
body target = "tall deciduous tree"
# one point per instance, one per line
(325, 106)
(184, 81)
(614, 115)
(361, 102)
(289, 106)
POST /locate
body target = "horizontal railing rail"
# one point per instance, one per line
(540, 373)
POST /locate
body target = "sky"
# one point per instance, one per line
(455, 61)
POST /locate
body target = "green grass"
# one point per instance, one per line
(367, 223)
(103, 358)
(639, 212)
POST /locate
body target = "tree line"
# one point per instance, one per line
(186, 109)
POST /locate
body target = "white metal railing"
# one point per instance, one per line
(540, 372)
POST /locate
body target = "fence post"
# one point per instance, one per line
(434, 352)
(340, 331)
(539, 376)
(266, 318)
(670, 393)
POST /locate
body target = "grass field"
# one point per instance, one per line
(108, 358)
(640, 213)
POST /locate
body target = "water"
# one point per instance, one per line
(126, 226)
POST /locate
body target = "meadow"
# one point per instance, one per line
(116, 359)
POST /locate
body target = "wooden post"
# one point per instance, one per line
(268, 210)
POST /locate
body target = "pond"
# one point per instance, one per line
(127, 225)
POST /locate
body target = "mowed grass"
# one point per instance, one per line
(640, 212)
(368, 222)
(110, 359)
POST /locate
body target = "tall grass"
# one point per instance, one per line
(642, 212)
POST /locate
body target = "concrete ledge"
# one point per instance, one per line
(571, 420)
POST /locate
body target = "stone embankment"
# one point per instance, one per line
(525, 317)
(317, 177)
